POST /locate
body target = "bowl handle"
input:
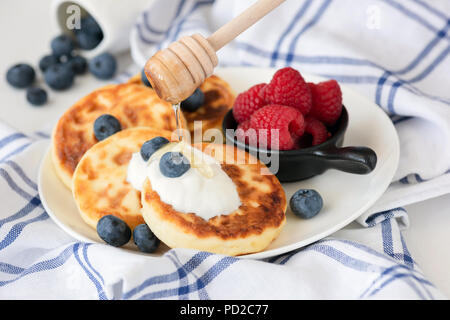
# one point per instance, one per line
(359, 160)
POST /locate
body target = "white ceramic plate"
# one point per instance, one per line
(346, 196)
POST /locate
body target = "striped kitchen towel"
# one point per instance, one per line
(402, 69)
(38, 260)
(395, 52)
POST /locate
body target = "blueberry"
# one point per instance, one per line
(87, 41)
(90, 26)
(62, 45)
(173, 164)
(145, 239)
(48, 61)
(144, 79)
(59, 76)
(150, 146)
(36, 96)
(113, 230)
(103, 66)
(78, 64)
(306, 203)
(194, 102)
(106, 125)
(20, 75)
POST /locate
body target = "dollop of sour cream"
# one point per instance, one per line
(193, 192)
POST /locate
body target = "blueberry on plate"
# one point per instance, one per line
(48, 61)
(59, 76)
(113, 230)
(87, 41)
(20, 75)
(105, 126)
(306, 203)
(151, 146)
(36, 96)
(194, 102)
(103, 66)
(62, 45)
(173, 164)
(78, 64)
(145, 239)
(144, 79)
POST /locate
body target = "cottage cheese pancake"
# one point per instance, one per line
(250, 228)
(133, 104)
(99, 181)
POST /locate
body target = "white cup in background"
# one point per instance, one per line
(116, 18)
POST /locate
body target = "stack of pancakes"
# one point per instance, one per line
(96, 171)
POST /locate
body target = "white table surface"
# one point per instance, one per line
(26, 29)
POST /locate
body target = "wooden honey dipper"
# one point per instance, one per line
(175, 72)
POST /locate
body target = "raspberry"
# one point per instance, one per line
(317, 129)
(288, 88)
(287, 120)
(248, 102)
(246, 134)
(327, 101)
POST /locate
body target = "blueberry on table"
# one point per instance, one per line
(105, 126)
(78, 64)
(36, 96)
(144, 79)
(173, 164)
(306, 203)
(194, 102)
(20, 75)
(48, 61)
(59, 76)
(151, 146)
(103, 66)
(62, 45)
(113, 230)
(145, 239)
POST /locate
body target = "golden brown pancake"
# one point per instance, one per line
(133, 104)
(219, 99)
(99, 181)
(251, 228)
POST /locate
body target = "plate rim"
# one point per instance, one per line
(266, 253)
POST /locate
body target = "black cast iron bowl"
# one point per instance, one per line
(300, 164)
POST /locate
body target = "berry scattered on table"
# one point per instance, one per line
(306, 203)
(103, 66)
(151, 146)
(288, 88)
(113, 230)
(317, 130)
(248, 102)
(105, 126)
(145, 239)
(59, 77)
(174, 164)
(20, 75)
(194, 102)
(288, 121)
(62, 45)
(144, 79)
(78, 64)
(36, 96)
(327, 101)
(48, 61)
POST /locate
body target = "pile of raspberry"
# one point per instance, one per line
(300, 112)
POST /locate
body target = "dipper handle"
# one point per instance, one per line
(242, 22)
